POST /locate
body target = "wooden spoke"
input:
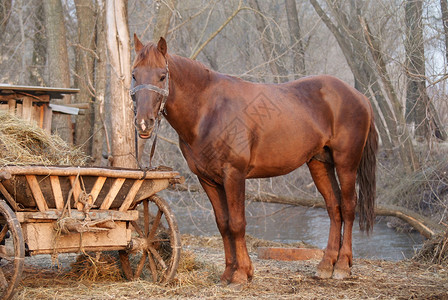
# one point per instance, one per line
(3, 232)
(138, 229)
(155, 225)
(146, 216)
(158, 257)
(153, 268)
(160, 249)
(141, 264)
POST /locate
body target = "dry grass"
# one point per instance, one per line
(434, 251)
(23, 143)
(202, 263)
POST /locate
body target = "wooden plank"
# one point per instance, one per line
(91, 171)
(43, 237)
(289, 254)
(41, 116)
(37, 192)
(110, 197)
(8, 197)
(76, 186)
(48, 116)
(131, 195)
(54, 214)
(12, 106)
(96, 189)
(19, 110)
(57, 192)
(27, 109)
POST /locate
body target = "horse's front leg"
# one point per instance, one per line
(234, 185)
(217, 197)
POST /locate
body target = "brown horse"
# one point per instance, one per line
(230, 130)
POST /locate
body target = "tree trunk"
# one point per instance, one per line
(121, 108)
(5, 11)
(350, 37)
(419, 108)
(269, 54)
(100, 134)
(296, 39)
(444, 8)
(163, 17)
(57, 64)
(85, 55)
(39, 49)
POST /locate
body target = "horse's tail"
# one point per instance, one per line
(367, 181)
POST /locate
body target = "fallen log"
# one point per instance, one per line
(422, 224)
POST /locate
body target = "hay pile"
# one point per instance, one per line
(434, 251)
(23, 143)
(102, 267)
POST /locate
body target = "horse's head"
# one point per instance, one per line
(150, 84)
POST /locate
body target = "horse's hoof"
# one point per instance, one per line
(341, 273)
(237, 287)
(324, 273)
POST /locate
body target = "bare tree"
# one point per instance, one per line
(58, 64)
(298, 51)
(100, 134)
(349, 34)
(85, 60)
(444, 8)
(163, 17)
(268, 44)
(121, 108)
(39, 58)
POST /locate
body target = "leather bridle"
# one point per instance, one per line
(163, 92)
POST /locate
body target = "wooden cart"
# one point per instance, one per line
(51, 210)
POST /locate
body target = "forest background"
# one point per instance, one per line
(395, 52)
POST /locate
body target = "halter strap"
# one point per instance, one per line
(165, 93)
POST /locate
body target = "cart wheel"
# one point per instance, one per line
(11, 263)
(156, 246)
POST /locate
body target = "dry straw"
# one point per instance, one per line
(23, 143)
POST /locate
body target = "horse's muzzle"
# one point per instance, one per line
(145, 127)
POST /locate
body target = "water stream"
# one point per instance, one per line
(290, 224)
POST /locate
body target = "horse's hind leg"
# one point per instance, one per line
(346, 168)
(325, 180)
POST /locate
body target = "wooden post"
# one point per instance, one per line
(27, 108)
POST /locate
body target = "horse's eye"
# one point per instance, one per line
(162, 78)
(133, 76)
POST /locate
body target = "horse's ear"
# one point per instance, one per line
(162, 47)
(137, 44)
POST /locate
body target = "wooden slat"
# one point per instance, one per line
(76, 186)
(131, 195)
(48, 116)
(27, 109)
(110, 197)
(37, 192)
(57, 192)
(97, 188)
(12, 106)
(54, 214)
(8, 197)
(91, 171)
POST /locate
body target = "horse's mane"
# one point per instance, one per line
(145, 57)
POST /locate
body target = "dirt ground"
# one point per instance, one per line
(203, 261)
